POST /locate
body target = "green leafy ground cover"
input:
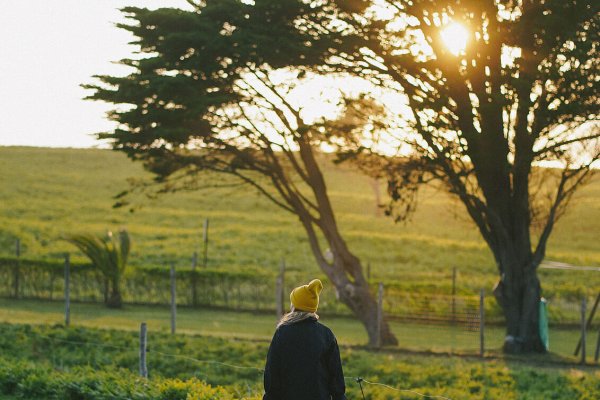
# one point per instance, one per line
(49, 192)
(35, 358)
(23, 380)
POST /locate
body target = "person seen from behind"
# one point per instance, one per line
(303, 362)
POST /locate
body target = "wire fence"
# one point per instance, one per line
(415, 317)
(247, 290)
(252, 289)
(358, 380)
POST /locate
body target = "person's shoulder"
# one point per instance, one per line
(325, 329)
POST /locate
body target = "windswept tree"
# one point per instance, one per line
(496, 90)
(213, 92)
(109, 255)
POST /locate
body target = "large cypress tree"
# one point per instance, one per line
(210, 93)
(522, 94)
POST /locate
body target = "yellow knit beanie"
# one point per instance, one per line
(306, 297)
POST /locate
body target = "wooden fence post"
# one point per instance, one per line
(589, 321)
(453, 295)
(279, 290)
(278, 297)
(379, 313)
(143, 341)
(17, 272)
(173, 299)
(205, 241)
(597, 347)
(194, 280)
(369, 272)
(583, 329)
(482, 322)
(67, 290)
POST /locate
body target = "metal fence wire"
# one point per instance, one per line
(413, 316)
(156, 355)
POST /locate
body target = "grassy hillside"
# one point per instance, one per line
(49, 192)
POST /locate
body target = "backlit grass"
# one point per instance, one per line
(50, 192)
(247, 325)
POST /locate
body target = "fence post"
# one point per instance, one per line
(143, 341)
(279, 295)
(379, 313)
(453, 295)
(482, 322)
(369, 272)
(589, 321)
(67, 290)
(173, 300)
(194, 279)
(583, 311)
(16, 271)
(205, 241)
(597, 347)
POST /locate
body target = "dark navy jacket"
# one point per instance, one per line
(304, 363)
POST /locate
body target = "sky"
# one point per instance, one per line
(48, 48)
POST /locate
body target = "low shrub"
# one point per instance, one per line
(24, 380)
(44, 362)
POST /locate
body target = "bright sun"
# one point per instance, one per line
(455, 37)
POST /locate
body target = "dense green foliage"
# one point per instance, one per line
(59, 354)
(108, 254)
(31, 381)
(41, 187)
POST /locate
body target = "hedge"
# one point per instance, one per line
(238, 288)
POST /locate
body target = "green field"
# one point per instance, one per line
(259, 327)
(47, 193)
(50, 192)
(235, 364)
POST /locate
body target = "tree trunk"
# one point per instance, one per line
(106, 291)
(506, 224)
(345, 272)
(519, 299)
(357, 295)
(360, 300)
(115, 300)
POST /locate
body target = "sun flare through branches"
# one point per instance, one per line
(455, 37)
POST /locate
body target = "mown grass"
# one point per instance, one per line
(440, 339)
(50, 192)
(210, 359)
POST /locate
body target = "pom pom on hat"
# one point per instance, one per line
(306, 297)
